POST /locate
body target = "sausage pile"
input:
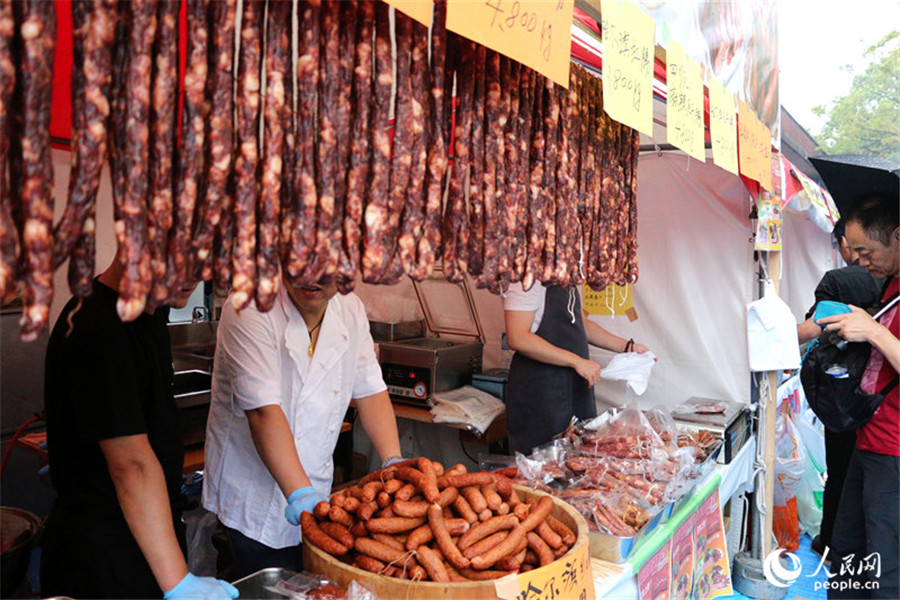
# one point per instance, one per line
(414, 520)
(268, 163)
(620, 474)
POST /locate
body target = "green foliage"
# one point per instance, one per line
(867, 120)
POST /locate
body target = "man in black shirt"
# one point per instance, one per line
(116, 456)
(854, 285)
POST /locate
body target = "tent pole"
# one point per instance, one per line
(769, 406)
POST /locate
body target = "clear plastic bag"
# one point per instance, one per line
(631, 367)
(789, 469)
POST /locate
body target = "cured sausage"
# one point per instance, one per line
(275, 153)
(323, 258)
(401, 149)
(381, 552)
(455, 227)
(442, 537)
(433, 564)
(536, 198)
(425, 485)
(466, 479)
(510, 196)
(549, 181)
(131, 213)
(430, 240)
(376, 211)
(419, 115)
(393, 524)
(484, 544)
(164, 101)
(361, 140)
(475, 250)
(492, 135)
(338, 532)
(38, 32)
(523, 172)
(465, 510)
(346, 273)
(221, 137)
(9, 234)
(313, 534)
(93, 37)
(191, 166)
(303, 216)
(540, 548)
(339, 515)
(487, 528)
(568, 537)
(367, 563)
(246, 166)
(476, 499)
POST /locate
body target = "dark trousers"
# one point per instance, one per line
(838, 449)
(867, 529)
(251, 556)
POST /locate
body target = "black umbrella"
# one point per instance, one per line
(849, 176)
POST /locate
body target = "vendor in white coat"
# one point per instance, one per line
(282, 382)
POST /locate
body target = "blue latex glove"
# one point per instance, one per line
(304, 499)
(201, 587)
(392, 460)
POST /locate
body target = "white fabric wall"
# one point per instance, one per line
(806, 256)
(696, 277)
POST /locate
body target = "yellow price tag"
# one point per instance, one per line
(613, 300)
(568, 577)
(764, 137)
(535, 33)
(746, 141)
(723, 127)
(684, 104)
(420, 10)
(628, 51)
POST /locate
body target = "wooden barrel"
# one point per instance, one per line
(317, 561)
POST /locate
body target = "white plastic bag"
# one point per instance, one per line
(632, 367)
(772, 342)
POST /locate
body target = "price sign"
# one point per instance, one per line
(712, 572)
(568, 577)
(613, 300)
(535, 33)
(628, 49)
(684, 104)
(653, 577)
(746, 141)
(723, 127)
(414, 9)
(764, 141)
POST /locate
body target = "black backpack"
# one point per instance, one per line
(831, 372)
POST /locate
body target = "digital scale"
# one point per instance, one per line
(734, 424)
(415, 369)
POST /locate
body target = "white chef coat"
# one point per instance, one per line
(263, 359)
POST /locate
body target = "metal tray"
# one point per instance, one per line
(254, 585)
(615, 549)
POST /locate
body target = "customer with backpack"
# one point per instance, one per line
(866, 539)
(852, 284)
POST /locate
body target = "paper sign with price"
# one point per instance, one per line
(764, 140)
(723, 127)
(570, 577)
(535, 33)
(628, 51)
(613, 300)
(414, 9)
(749, 163)
(684, 105)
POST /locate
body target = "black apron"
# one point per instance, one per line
(542, 398)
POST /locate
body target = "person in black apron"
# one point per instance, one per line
(550, 382)
(116, 454)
